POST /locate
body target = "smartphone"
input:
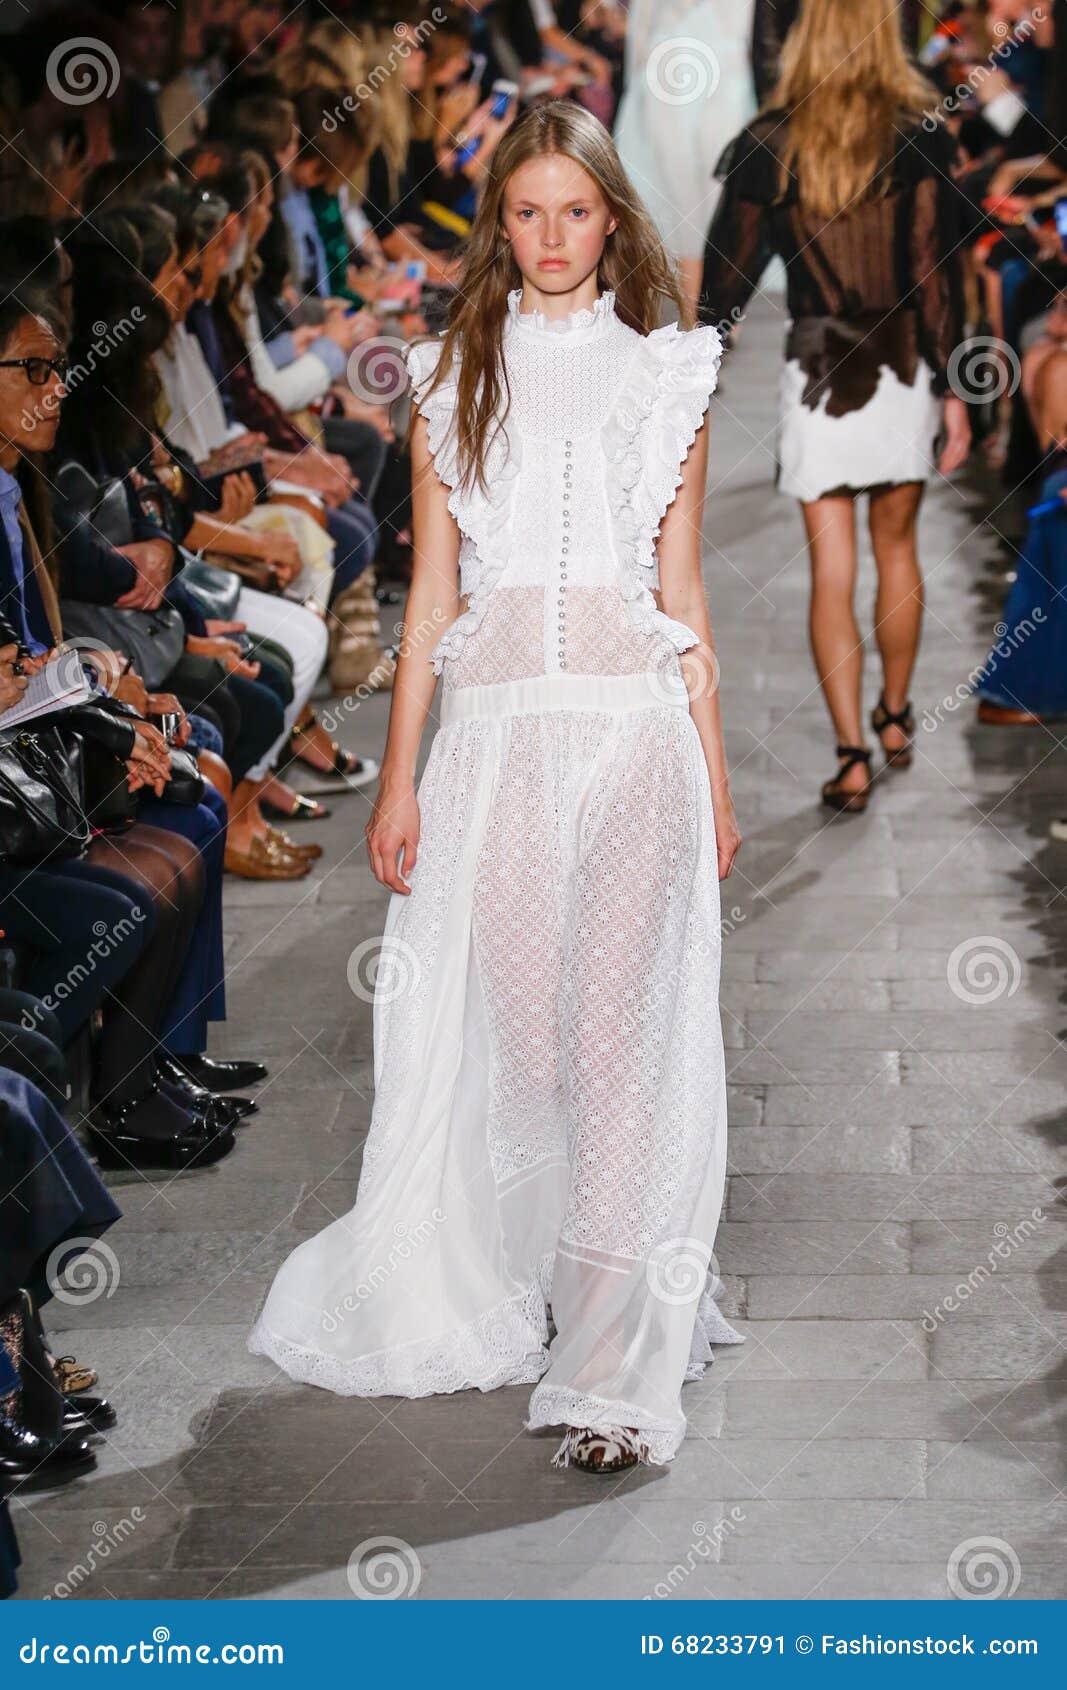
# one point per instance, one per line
(504, 92)
(1061, 222)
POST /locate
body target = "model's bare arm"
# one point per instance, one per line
(682, 597)
(432, 603)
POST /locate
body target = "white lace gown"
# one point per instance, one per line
(547, 1145)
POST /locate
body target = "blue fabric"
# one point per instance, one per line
(53, 1194)
(353, 528)
(1027, 667)
(18, 592)
(331, 354)
(204, 735)
(200, 995)
(313, 266)
(281, 348)
(201, 322)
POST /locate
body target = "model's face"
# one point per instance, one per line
(557, 221)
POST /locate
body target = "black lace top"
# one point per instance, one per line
(877, 285)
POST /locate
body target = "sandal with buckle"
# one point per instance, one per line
(304, 809)
(837, 797)
(881, 718)
(601, 1452)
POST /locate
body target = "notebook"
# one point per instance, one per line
(58, 685)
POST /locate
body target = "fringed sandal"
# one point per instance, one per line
(881, 718)
(601, 1452)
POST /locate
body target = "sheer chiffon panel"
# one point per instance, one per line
(549, 1126)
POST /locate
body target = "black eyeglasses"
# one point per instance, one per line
(38, 370)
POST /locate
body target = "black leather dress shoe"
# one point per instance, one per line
(202, 1103)
(155, 1132)
(29, 1462)
(223, 1076)
(85, 1414)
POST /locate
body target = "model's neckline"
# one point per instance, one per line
(586, 320)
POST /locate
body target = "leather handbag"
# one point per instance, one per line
(153, 639)
(41, 815)
(215, 590)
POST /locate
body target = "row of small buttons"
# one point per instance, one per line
(564, 547)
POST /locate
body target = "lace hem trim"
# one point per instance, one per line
(506, 1346)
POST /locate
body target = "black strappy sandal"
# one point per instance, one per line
(848, 803)
(881, 718)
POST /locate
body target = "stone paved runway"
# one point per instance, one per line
(896, 1140)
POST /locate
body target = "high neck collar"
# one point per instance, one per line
(588, 320)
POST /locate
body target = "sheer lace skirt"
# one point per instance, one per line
(548, 1137)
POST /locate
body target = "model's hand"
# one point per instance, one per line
(957, 436)
(727, 832)
(393, 827)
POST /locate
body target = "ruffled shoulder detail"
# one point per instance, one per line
(484, 518)
(646, 440)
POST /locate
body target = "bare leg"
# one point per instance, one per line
(898, 606)
(836, 643)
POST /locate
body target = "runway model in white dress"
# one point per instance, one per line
(688, 90)
(548, 1141)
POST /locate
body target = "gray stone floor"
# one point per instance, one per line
(887, 1135)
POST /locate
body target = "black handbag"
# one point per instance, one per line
(41, 814)
(215, 590)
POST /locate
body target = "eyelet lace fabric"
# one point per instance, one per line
(547, 1145)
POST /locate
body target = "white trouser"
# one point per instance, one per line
(304, 636)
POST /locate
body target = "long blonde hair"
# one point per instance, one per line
(845, 82)
(634, 265)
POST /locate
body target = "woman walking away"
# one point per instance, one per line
(549, 1126)
(841, 177)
